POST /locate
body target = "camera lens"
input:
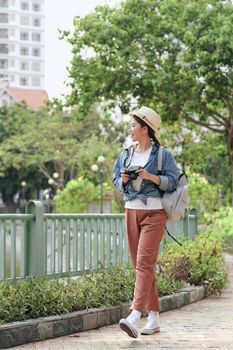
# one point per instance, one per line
(133, 176)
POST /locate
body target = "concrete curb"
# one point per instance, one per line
(18, 333)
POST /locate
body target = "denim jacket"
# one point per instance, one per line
(169, 177)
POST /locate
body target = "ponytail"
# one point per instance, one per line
(152, 136)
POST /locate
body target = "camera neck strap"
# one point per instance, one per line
(129, 157)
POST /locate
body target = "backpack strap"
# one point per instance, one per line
(160, 160)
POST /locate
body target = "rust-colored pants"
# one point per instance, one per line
(145, 230)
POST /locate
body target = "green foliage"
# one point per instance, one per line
(221, 223)
(171, 55)
(35, 298)
(46, 139)
(195, 262)
(167, 284)
(200, 151)
(37, 143)
(76, 196)
(13, 119)
(187, 43)
(198, 261)
(203, 196)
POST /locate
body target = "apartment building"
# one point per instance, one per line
(21, 48)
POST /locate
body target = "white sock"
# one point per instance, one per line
(134, 316)
(153, 314)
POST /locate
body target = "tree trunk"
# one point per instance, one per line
(231, 160)
(11, 207)
(229, 134)
(8, 201)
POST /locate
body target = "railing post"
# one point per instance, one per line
(193, 223)
(186, 223)
(36, 241)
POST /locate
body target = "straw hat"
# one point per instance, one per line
(149, 116)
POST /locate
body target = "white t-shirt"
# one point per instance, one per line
(141, 159)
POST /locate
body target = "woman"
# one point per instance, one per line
(145, 218)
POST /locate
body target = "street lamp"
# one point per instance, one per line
(23, 198)
(52, 191)
(51, 181)
(55, 176)
(95, 169)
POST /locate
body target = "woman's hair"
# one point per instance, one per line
(151, 132)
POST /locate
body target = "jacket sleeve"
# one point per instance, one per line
(116, 179)
(169, 177)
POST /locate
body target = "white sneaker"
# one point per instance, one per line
(152, 326)
(131, 323)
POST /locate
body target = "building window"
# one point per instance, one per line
(4, 48)
(24, 36)
(24, 6)
(12, 63)
(35, 66)
(12, 2)
(36, 7)
(12, 17)
(35, 36)
(3, 33)
(12, 31)
(35, 81)
(4, 18)
(36, 22)
(3, 64)
(12, 78)
(23, 81)
(4, 3)
(24, 20)
(24, 51)
(35, 52)
(24, 66)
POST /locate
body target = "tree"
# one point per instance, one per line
(203, 196)
(197, 150)
(76, 196)
(173, 55)
(49, 143)
(53, 141)
(13, 119)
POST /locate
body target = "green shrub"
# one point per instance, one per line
(168, 284)
(76, 196)
(221, 223)
(33, 298)
(195, 262)
(198, 261)
(203, 195)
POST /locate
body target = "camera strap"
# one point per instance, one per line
(170, 235)
(129, 156)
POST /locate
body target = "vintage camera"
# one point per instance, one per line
(132, 171)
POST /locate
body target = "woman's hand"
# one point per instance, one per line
(144, 174)
(125, 178)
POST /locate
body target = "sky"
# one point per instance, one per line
(60, 14)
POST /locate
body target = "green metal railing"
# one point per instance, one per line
(53, 245)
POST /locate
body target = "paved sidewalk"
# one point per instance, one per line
(206, 324)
